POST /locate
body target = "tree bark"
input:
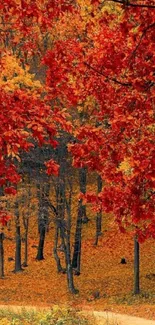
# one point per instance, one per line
(1, 255)
(56, 256)
(18, 267)
(70, 276)
(26, 225)
(60, 201)
(42, 219)
(136, 267)
(65, 236)
(99, 214)
(40, 253)
(83, 184)
(76, 261)
(46, 195)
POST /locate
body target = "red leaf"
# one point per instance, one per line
(10, 190)
(52, 167)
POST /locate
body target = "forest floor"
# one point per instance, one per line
(104, 284)
(101, 272)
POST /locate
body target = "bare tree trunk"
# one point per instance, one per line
(1, 255)
(60, 222)
(136, 267)
(56, 256)
(26, 226)
(46, 194)
(99, 214)
(81, 218)
(66, 243)
(42, 223)
(70, 277)
(76, 261)
(83, 184)
(40, 255)
(18, 267)
(60, 187)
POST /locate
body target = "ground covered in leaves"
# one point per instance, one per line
(104, 283)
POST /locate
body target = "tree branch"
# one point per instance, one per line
(129, 4)
(142, 36)
(107, 78)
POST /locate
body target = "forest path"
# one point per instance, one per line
(103, 318)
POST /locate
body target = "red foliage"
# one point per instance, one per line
(4, 218)
(119, 73)
(115, 65)
(52, 167)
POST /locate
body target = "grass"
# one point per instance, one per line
(131, 299)
(56, 316)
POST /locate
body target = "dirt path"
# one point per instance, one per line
(120, 319)
(102, 317)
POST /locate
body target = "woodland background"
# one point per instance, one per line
(77, 154)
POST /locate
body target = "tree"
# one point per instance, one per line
(121, 80)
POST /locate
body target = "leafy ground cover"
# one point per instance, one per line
(104, 283)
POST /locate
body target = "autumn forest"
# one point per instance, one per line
(77, 154)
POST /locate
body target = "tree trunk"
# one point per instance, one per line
(46, 194)
(76, 261)
(66, 243)
(40, 255)
(83, 184)
(26, 227)
(1, 255)
(18, 267)
(42, 222)
(81, 218)
(60, 201)
(56, 256)
(25, 263)
(26, 223)
(99, 214)
(70, 277)
(136, 267)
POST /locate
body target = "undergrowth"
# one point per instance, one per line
(56, 316)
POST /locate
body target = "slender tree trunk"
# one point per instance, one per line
(65, 236)
(42, 216)
(99, 214)
(46, 194)
(70, 276)
(39, 197)
(81, 218)
(40, 255)
(60, 203)
(61, 224)
(83, 184)
(26, 225)
(136, 267)
(18, 267)
(1, 255)
(56, 256)
(76, 261)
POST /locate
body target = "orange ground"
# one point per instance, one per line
(40, 284)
